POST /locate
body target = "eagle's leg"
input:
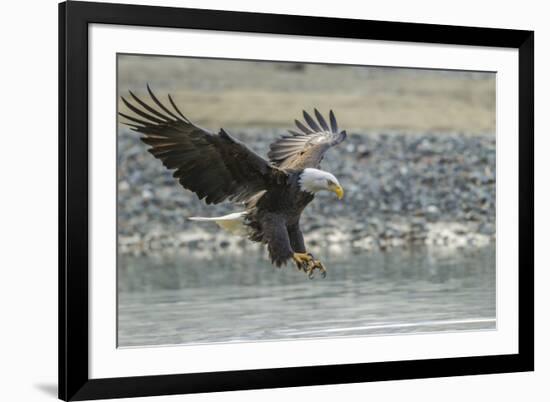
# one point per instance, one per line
(304, 261)
(303, 258)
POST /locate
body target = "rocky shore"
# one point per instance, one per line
(402, 189)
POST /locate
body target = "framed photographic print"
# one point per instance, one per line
(258, 201)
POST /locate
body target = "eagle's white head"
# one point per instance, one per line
(313, 180)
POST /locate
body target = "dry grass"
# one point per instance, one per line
(218, 93)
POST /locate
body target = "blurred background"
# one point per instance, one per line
(409, 249)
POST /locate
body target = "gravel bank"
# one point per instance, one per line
(401, 189)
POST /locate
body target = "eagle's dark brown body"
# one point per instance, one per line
(218, 167)
(273, 218)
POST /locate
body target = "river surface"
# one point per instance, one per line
(180, 299)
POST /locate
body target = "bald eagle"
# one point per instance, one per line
(218, 167)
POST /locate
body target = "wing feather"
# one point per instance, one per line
(311, 122)
(301, 126)
(159, 103)
(333, 123)
(149, 108)
(177, 109)
(321, 121)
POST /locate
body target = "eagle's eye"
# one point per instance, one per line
(330, 183)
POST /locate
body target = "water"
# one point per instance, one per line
(178, 299)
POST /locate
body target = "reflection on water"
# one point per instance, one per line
(178, 299)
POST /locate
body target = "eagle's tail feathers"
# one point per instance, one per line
(233, 223)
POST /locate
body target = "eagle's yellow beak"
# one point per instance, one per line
(338, 190)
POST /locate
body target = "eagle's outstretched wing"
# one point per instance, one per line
(306, 148)
(216, 167)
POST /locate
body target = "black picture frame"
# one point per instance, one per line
(74, 381)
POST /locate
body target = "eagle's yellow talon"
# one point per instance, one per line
(306, 262)
(302, 257)
(302, 260)
(322, 269)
